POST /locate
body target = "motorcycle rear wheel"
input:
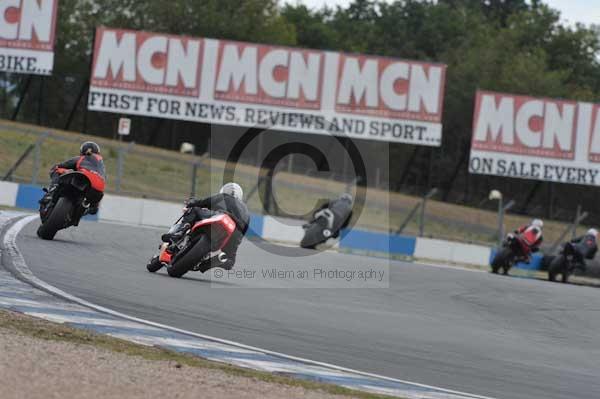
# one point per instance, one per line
(190, 259)
(57, 219)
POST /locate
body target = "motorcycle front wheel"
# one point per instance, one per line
(558, 267)
(501, 260)
(191, 258)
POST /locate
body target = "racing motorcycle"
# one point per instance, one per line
(319, 230)
(514, 249)
(66, 203)
(565, 263)
(198, 249)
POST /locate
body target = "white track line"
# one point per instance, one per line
(21, 266)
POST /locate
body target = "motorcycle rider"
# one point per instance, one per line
(587, 244)
(229, 200)
(532, 234)
(342, 211)
(90, 163)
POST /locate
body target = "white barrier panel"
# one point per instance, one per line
(452, 252)
(8, 193)
(121, 209)
(285, 230)
(159, 213)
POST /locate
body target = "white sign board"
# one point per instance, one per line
(536, 138)
(27, 33)
(124, 126)
(245, 84)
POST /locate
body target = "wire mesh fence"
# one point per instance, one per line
(141, 171)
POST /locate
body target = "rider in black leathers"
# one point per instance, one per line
(342, 211)
(228, 201)
(587, 245)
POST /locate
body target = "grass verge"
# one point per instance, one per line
(157, 173)
(41, 329)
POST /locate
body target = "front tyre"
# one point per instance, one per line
(313, 236)
(501, 260)
(58, 219)
(557, 266)
(154, 265)
(190, 259)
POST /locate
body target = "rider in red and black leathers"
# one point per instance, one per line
(90, 163)
(532, 234)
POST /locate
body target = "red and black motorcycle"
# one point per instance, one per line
(514, 249)
(67, 202)
(198, 249)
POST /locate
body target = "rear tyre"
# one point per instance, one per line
(57, 219)
(501, 260)
(190, 259)
(556, 268)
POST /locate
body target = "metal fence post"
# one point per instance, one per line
(120, 164)
(576, 222)
(500, 221)
(37, 157)
(290, 163)
(194, 172)
(580, 217)
(502, 209)
(119, 169)
(430, 194)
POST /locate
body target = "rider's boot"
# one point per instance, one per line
(177, 234)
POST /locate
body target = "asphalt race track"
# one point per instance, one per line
(468, 331)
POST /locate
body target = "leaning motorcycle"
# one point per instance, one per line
(319, 230)
(565, 263)
(199, 248)
(68, 202)
(514, 249)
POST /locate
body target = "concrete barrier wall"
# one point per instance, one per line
(285, 230)
(8, 193)
(163, 214)
(427, 248)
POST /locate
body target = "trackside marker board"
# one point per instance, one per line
(536, 138)
(245, 84)
(27, 33)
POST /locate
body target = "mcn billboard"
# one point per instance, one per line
(245, 84)
(27, 32)
(536, 138)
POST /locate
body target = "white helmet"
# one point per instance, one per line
(537, 223)
(234, 190)
(593, 232)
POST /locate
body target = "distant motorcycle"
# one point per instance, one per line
(514, 249)
(319, 230)
(70, 200)
(566, 263)
(199, 249)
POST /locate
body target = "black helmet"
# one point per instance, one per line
(88, 148)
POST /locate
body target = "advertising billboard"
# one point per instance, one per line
(536, 138)
(27, 33)
(253, 85)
